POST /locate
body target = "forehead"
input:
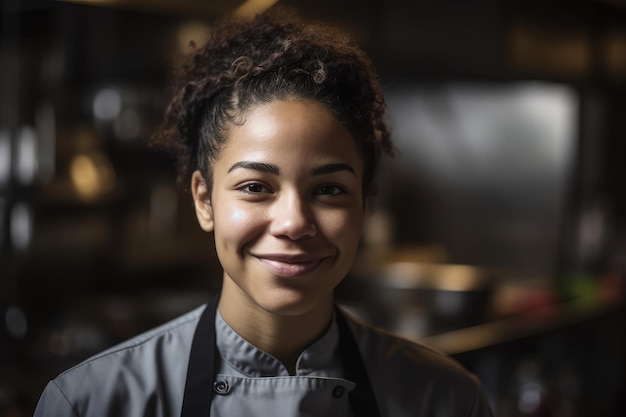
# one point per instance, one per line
(290, 128)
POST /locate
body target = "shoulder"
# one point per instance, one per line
(150, 367)
(408, 376)
(174, 331)
(386, 349)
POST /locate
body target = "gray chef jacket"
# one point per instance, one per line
(146, 376)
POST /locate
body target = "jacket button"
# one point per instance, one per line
(221, 387)
(338, 391)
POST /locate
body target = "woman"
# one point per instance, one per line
(278, 128)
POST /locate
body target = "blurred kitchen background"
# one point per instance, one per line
(498, 234)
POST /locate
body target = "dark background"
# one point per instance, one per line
(510, 123)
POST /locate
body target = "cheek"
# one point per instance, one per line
(345, 228)
(239, 217)
(235, 225)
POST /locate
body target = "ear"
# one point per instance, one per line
(202, 201)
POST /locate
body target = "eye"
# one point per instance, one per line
(330, 190)
(254, 188)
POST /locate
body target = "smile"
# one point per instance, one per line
(289, 266)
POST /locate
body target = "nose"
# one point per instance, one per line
(292, 218)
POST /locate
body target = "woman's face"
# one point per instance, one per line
(286, 206)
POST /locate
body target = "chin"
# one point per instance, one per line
(290, 303)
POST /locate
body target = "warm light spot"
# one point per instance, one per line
(548, 50)
(197, 32)
(92, 175)
(252, 7)
(615, 53)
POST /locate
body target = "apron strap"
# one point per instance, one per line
(201, 369)
(362, 399)
(198, 393)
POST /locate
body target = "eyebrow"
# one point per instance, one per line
(330, 168)
(257, 166)
(273, 169)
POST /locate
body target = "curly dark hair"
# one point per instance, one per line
(271, 57)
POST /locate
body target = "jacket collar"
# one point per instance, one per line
(321, 358)
(198, 393)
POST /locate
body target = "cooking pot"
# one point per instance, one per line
(434, 298)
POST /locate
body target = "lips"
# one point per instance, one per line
(289, 265)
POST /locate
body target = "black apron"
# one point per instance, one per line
(204, 355)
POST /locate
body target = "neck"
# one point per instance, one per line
(282, 335)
